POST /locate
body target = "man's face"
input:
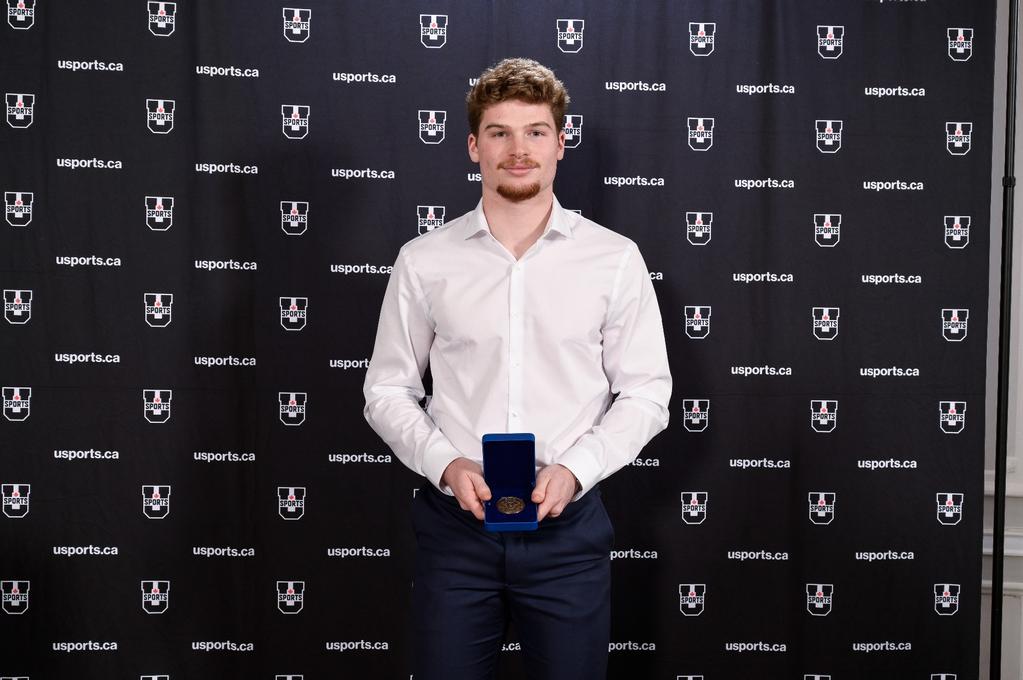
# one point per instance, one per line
(518, 149)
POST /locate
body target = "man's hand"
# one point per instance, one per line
(555, 486)
(465, 478)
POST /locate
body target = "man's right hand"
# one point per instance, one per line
(465, 479)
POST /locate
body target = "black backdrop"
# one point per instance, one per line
(254, 169)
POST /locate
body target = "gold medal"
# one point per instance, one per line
(510, 505)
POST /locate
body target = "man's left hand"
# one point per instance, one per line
(555, 486)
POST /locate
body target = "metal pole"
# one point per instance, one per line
(1004, 348)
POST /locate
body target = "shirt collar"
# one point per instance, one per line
(561, 221)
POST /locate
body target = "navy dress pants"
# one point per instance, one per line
(553, 585)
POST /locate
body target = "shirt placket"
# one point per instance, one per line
(516, 331)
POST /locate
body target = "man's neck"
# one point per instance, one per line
(517, 224)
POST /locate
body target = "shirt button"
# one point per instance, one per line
(514, 414)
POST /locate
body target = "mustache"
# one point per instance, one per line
(525, 163)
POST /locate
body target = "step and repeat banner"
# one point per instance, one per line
(202, 204)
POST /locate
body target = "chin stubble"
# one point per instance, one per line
(523, 193)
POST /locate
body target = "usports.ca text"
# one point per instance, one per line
(889, 372)
(361, 268)
(85, 454)
(92, 163)
(886, 646)
(222, 646)
(892, 185)
(367, 77)
(90, 358)
(755, 647)
(88, 261)
(229, 168)
(232, 71)
(86, 646)
(347, 646)
(889, 464)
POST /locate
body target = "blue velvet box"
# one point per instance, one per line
(509, 468)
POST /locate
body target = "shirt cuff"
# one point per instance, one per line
(582, 463)
(436, 461)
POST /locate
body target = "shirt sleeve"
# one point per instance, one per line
(636, 364)
(394, 379)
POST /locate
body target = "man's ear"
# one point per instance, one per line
(561, 144)
(474, 152)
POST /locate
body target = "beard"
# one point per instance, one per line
(517, 194)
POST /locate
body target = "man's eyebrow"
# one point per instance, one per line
(501, 125)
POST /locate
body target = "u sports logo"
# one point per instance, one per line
(697, 321)
(696, 414)
(701, 38)
(701, 133)
(292, 407)
(20, 108)
(294, 121)
(17, 306)
(573, 128)
(294, 217)
(433, 30)
(16, 499)
(290, 596)
(156, 405)
(818, 598)
(156, 500)
(950, 508)
(698, 225)
(161, 18)
(21, 14)
(694, 507)
(155, 596)
(957, 137)
(160, 115)
(823, 415)
(570, 35)
(293, 312)
(827, 229)
(952, 415)
(17, 403)
(158, 308)
(825, 322)
(431, 126)
(829, 135)
(18, 208)
(957, 231)
(946, 598)
(822, 507)
(960, 43)
(159, 212)
(691, 598)
(291, 501)
(430, 217)
(954, 324)
(297, 24)
(829, 41)
(15, 596)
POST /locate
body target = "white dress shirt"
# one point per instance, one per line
(566, 343)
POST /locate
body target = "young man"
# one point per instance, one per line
(533, 319)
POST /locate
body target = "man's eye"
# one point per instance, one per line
(538, 133)
(498, 134)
